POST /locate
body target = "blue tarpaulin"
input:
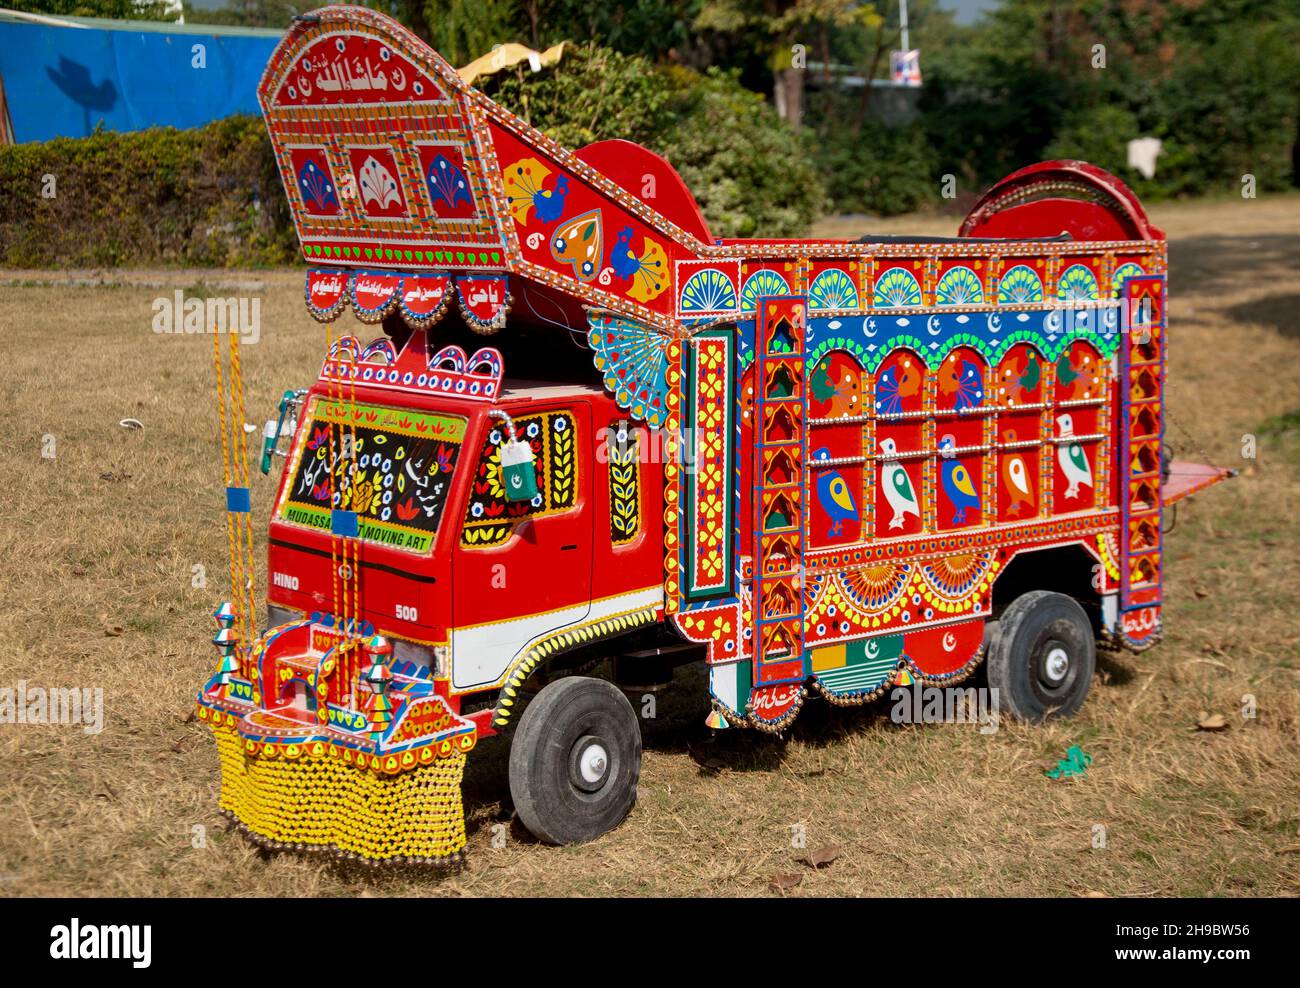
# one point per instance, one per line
(61, 81)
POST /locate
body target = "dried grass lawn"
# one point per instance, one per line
(98, 545)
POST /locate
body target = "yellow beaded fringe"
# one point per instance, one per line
(317, 802)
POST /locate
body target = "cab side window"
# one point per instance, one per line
(489, 517)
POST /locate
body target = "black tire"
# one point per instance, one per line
(1042, 656)
(554, 756)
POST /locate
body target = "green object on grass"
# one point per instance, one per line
(1075, 762)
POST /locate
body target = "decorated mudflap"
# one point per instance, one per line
(822, 467)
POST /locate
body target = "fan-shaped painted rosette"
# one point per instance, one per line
(761, 283)
(708, 291)
(897, 288)
(378, 184)
(832, 289)
(633, 362)
(1020, 286)
(447, 182)
(1077, 284)
(959, 286)
(875, 588)
(1124, 271)
(954, 577)
(317, 189)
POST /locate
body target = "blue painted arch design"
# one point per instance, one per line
(1077, 284)
(1123, 272)
(708, 290)
(1020, 285)
(832, 289)
(764, 281)
(959, 286)
(896, 288)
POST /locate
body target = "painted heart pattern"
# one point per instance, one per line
(580, 242)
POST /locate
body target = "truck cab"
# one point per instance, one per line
(462, 579)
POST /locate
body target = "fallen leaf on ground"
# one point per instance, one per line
(820, 857)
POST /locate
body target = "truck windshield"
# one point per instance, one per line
(392, 466)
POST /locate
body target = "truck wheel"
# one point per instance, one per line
(1042, 656)
(575, 760)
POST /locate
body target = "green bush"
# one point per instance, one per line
(750, 173)
(883, 171)
(1098, 135)
(210, 196)
(592, 94)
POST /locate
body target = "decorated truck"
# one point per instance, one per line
(579, 441)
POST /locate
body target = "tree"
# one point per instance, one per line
(781, 31)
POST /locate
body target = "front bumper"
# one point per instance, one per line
(323, 777)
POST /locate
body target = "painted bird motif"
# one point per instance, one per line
(1015, 478)
(1024, 379)
(1072, 459)
(1028, 380)
(1082, 379)
(621, 257)
(647, 271)
(525, 188)
(897, 486)
(957, 483)
(895, 384)
(548, 204)
(1065, 372)
(835, 496)
(837, 386)
(961, 380)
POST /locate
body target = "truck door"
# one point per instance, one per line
(523, 570)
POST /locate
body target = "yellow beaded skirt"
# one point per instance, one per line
(308, 797)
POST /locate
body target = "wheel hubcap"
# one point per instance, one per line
(589, 763)
(1056, 665)
(593, 763)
